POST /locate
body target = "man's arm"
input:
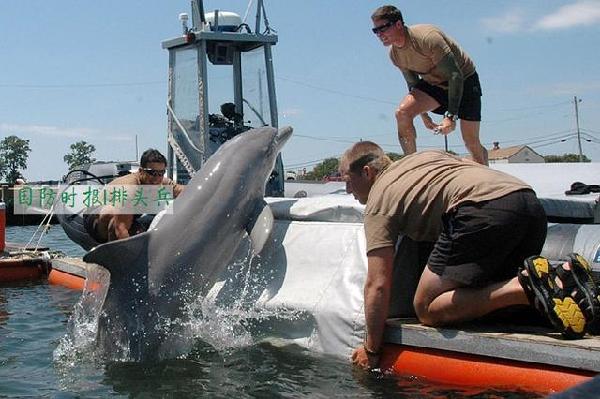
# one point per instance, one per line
(121, 223)
(411, 78)
(449, 68)
(177, 189)
(453, 74)
(377, 301)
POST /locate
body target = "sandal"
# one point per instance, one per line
(537, 277)
(578, 282)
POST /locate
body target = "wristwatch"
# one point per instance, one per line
(451, 116)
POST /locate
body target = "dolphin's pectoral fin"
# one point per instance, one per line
(260, 227)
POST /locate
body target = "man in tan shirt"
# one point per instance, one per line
(440, 76)
(109, 223)
(484, 223)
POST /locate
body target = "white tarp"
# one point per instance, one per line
(307, 285)
(309, 280)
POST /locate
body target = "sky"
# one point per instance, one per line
(95, 71)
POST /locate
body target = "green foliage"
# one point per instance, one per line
(328, 167)
(565, 158)
(13, 156)
(81, 154)
(394, 156)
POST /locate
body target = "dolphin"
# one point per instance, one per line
(154, 274)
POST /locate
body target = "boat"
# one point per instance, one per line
(98, 173)
(315, 264)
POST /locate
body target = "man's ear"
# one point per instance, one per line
(369, 172)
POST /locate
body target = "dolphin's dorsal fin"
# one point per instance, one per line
(122, 258)
(259, 229)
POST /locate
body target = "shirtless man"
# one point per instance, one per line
(110, 224)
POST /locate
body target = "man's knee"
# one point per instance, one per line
(423, 311)
(405, 114)
(421, 304)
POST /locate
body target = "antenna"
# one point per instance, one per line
(259, 7)
(198, 14)
(183, 17)
(576, 101)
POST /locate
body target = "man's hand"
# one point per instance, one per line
(363, 360)
(428, 122)
(446, 127)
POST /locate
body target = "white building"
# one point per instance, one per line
(514, 154)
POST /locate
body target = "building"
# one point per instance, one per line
(514, 154)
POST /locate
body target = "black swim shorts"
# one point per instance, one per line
(138, 225)
(89, 223)
(470, 104)
(485, 242)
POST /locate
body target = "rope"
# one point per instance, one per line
(179, 153)
(44, 226)
(247, 12)
(185, 133)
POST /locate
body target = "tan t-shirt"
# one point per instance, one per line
(412, 194)
(425, 47)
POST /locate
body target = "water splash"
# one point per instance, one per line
(231, 316)
(75, 359)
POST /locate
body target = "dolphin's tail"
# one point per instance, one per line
(123, 322)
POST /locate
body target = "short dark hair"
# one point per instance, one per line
(389, 13)
(152, 155)
(361, 154)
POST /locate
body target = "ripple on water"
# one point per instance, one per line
(33, 320)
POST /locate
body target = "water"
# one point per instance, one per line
(33, 321)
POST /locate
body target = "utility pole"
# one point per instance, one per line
(576, 101)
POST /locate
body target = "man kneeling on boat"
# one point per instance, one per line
(488, 228)
(109, 223)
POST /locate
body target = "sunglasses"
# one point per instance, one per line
(154, 172)
(382, 28)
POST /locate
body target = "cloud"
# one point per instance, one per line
(286, 113)
(124, 137)
(510, 22)
(57, 131)
(565, 89)
(580, 13)
(54, 131)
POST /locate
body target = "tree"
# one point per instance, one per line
(81, 153)
(565, 158)
(394, 156)
(13, 153)
(328, 167)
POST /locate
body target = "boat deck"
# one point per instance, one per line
(522, 343)
(531, 344)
